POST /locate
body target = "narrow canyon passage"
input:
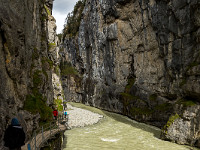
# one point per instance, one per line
(116, 132)
(138, 58)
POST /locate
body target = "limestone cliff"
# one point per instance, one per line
(141, 58)
(26, 63)
(53, 53)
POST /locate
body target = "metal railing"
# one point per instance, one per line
(42, 134)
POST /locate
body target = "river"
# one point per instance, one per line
(116, 132)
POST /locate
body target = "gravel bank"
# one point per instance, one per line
(80, 117)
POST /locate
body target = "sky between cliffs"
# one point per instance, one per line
(60, 10)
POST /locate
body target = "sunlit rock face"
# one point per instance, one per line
(53, 53)
(24, 65)
(140, 58)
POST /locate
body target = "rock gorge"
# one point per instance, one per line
(140, 58)
(28, 64)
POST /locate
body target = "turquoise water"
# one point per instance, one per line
(117, 132)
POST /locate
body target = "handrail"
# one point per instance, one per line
(41, 135)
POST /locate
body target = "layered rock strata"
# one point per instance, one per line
(141, 58)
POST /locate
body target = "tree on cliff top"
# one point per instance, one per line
(72, 22)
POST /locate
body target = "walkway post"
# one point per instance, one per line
(58, 122)
(42, 135)
(50, 128)
(35, 141)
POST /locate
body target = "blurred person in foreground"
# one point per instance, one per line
(14, 135)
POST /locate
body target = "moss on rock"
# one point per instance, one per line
(186, 103)
(153, 97)
(37, 78)
(170, 122)
(47, 10)
(51, 45)
(191, 65)
(163, 107)
(37, 104)
(141, 111)
(131, 82)
(35, 54)
(47, 60)
(128, 98)
(68, 69)
(183, 82)
(58, 103)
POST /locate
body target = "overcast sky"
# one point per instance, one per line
(60, 10)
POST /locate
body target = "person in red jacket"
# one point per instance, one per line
(55, 114)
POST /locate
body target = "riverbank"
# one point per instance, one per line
(113, 132)
(81, 117)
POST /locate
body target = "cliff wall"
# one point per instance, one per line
(27, 60)
(141, 58)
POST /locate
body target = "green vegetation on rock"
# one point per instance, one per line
(191, 65)
(183, 82)
(128, 87)
(47, 10)
(47, 60)
(153, 97)
(37, 104)
(163, 107)
(186, 103)
(35, 54)
(58, 103)
(170, 122)
(51, 45)
(37, 78)
(67, 69)
(140, 111)
(57, 70)
(73, 20)
(127, 96)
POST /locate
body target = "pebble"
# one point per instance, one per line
(78, 117)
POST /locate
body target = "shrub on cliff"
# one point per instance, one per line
(58, 103)
(72, 22)
(67, 69)
(37, 104)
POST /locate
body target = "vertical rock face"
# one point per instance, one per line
(141, 58)
(25, 67)
(53, 53)
(71, 82)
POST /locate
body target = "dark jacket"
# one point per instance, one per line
(14, 136)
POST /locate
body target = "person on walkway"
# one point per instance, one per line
(14, 136)
(55, 114)
(65, 113)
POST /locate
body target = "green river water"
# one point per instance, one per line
(116, 132)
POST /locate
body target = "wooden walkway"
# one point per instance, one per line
(37, 141)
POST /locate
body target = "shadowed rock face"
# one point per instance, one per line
(23, 46)
(139, 58)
